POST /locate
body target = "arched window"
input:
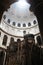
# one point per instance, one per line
(13, 46)
(29, 24)
(4, 16)
(14, 23)
(24, 25)
(24, 32)
(11, 40)
(18, 40)
(34, 22)
(8, 20)
(0, 33)
(5, 40)
(19, 24)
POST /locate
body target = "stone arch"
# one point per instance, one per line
(5, 40)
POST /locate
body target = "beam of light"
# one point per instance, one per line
(22, 3)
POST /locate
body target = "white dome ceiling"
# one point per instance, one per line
(20, 8)
(20, 20)
(20, 11)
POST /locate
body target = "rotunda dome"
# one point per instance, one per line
(18, 18)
